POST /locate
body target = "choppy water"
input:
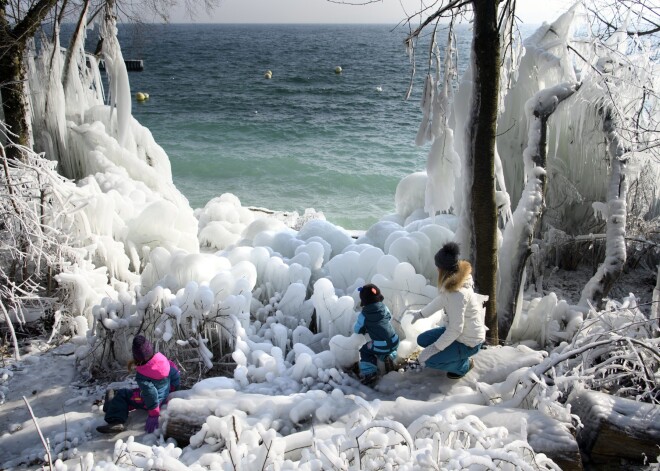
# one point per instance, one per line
(307, 138)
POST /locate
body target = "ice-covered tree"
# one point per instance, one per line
(21, 20)
(600, 141)
(520, 231)
(48, 228)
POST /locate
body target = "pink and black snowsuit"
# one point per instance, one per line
(156, 379)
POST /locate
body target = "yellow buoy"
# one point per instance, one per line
(268, 74)
(140, 96)
(338, 70)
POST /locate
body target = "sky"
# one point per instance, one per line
(325, 11)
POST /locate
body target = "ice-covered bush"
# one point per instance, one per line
(319, 430)
(191, 313)
(613, 350)
(34, 244)
(621, 347)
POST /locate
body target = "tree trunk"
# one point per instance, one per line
(14, 99)
(13, 42)
(655, 308)
(615, 246)
(481, 154)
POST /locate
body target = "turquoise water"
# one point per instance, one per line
(307, 138)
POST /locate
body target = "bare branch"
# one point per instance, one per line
(453, 5)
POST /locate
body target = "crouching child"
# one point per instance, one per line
(156, 377)
(375, 320)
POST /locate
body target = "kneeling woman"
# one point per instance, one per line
(450, 348)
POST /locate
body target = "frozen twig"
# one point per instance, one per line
(41, 435)
(17, 353)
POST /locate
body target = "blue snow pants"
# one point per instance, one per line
(370, 353)
(455, 358)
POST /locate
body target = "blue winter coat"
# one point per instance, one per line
(374, 319)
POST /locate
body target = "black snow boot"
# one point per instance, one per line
(111, 428)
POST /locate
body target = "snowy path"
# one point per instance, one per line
(66, 411)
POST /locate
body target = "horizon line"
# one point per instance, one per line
(222, 23)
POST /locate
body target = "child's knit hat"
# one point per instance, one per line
(142, 349)
(447, 257)
(370, 294)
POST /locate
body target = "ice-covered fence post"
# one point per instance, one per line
(519, 231)
(615, 245)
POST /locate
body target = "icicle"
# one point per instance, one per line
(423, 134)
(443, 166)
(78, 78)
(505, 210)
(120, 91)
(55, 106)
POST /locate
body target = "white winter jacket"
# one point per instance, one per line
(463, 308)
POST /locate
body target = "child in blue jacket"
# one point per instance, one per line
(374, 319)
(156, 377)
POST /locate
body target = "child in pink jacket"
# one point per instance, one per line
(156, 377)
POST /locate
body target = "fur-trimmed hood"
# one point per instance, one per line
(459, 279)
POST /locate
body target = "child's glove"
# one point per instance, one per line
(427, 353)
(417, 315)
(152, 420)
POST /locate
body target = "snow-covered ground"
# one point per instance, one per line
(68, 410)
(318, 418)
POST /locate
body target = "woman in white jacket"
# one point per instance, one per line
(450, 348)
